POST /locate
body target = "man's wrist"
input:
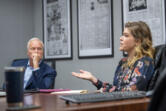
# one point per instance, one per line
(36, 66)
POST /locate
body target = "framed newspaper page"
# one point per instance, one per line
(150, 11)
(57, 29)
(95, 28)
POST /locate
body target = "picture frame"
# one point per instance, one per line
(147, 11)
(57, 29)
(95, 28)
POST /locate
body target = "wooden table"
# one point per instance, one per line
(49, 102)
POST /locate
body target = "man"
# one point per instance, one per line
(38, 75)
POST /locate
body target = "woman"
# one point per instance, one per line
(134, 71)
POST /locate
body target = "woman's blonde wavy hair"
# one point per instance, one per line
(141, 32)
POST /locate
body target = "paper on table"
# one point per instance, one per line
(71, 92)
(2, 93)
(53, 90)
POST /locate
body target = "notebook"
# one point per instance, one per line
(71, 92)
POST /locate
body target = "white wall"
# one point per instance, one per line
(16, 27)
(37, 18)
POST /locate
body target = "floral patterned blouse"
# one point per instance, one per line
(128, 79)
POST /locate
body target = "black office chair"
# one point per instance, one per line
(159, 95)
(158, 81)
(159, 63)
(51, 63)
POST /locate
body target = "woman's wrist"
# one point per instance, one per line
(94, 80)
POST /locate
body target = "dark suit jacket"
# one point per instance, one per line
(40, 79)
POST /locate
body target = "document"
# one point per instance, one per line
(2, 93)
(53, 90)
(71, 92)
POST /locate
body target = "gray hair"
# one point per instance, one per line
(32, 39)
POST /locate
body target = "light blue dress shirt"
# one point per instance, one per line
(28, 74)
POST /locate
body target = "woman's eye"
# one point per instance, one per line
(126, 35)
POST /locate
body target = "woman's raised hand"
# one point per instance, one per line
(85, 75)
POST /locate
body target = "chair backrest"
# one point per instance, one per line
(158, 81)
(159, 63)
(51, 63)
(158, 99)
